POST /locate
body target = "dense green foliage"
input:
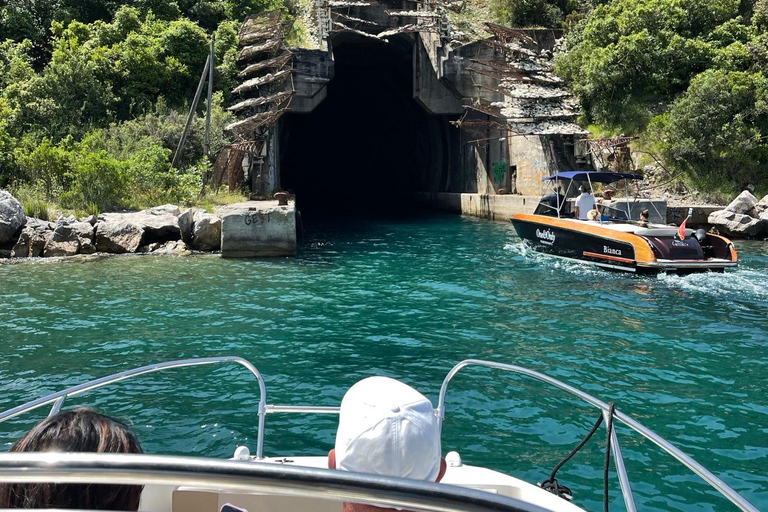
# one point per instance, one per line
(690, 76)
(94, 95)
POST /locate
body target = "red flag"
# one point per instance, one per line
(681, 229)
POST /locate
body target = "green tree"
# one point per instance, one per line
(628, 53)
(45, 164)
(717, 131)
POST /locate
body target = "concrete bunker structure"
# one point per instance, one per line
(390, 110)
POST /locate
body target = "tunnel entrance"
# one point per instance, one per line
(369, 145)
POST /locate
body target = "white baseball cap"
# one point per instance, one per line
(388, 428)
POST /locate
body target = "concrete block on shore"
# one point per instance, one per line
(258, 229)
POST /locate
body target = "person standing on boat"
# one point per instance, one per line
(584, 203)
(387, 428)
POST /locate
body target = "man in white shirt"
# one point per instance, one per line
(584, 202)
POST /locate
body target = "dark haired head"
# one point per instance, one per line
(78, 430)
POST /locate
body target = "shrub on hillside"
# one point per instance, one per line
(99, 181)
(717, 131)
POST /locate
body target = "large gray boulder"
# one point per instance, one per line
(70, 237)
(114, 234)
(86, 235)
(11, 216)
(737, 224)
(158, 223)
(33, 239)
(207, 232)
(186, 222)
(761, 208)
(744, 204)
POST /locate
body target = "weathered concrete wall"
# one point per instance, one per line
(502, 207)
(314, 69)
(527, 153)
(257, 228)
(700, 216)
(487, 206)
(431, 92)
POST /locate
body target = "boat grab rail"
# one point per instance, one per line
(714, 481)
(59, 397)
(249, 477)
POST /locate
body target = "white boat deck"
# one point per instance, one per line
(198, 499)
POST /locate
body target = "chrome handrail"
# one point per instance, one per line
(59, 397)
(714, 481)
(250, 477)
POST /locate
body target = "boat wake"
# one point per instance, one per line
(550, 262)
(739, 285)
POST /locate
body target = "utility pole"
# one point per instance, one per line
(212, 57)
(191, 115)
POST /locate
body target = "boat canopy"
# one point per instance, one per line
(594, 176)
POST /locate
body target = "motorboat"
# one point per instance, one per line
(259, 483)
(616, 238)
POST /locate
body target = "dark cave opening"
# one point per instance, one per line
(369, 145)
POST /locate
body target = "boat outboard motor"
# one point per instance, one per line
(704, 242)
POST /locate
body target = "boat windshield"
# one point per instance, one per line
(562, 192)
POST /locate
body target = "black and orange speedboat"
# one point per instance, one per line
(613, 240)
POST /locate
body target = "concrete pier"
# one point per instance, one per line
(257, 229)
(502, 207)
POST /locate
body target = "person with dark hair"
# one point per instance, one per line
(643, 222)
(79, 430)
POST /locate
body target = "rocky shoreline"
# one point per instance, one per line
(744, 217)
(160, 230)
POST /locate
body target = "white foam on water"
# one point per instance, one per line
(550, 262)
(742, 284)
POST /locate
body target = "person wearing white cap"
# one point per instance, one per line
(387, 428)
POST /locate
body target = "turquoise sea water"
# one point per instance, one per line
(409, 298)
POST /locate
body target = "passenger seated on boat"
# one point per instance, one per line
(584, 203)
(594, 214)
(643, 222)
(77, 430)
(387, 428)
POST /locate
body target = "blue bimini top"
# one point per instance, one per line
(594, 176)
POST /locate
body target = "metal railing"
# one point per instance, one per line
(247, 477)
(263, 409)
(621, 471)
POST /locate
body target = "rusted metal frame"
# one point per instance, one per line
(262, 34)
(269, 78)
(255, 121)
(505, 49)
(353, 19)
(274, 63)
(414, 14)
(262, 100)
(251, 147)
(484, 108)
(254, 22)
(506, 34)
(427, 27)
(342, 27)
(335, 4)
(249, 52)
